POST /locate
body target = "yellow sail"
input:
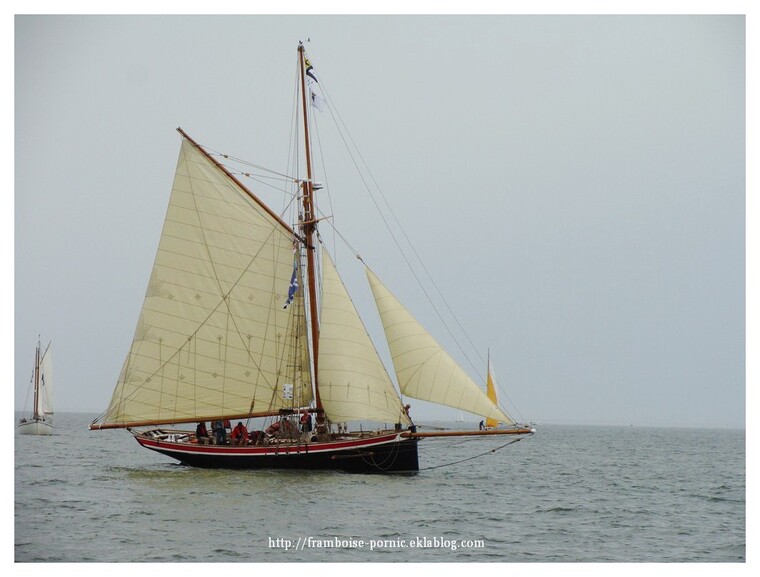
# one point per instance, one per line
(491, 392)
(213, 336)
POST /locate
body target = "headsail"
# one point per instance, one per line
(491, 392)
(424, 370)
(213, 337)
(353, 383)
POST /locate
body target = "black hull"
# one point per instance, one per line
(396, 455)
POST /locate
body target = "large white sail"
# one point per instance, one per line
(424, 370)
(353, 382)
(45, 391)
(213, 337)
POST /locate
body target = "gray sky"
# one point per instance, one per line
(575, 185)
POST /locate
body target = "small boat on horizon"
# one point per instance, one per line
(41, 420)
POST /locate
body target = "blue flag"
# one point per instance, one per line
(293, 286)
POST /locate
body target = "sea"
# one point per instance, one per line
(567, 494)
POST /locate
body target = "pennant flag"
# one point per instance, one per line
(293, 285)
(314, 91)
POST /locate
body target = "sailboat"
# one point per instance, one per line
(41, 421)
(237, 325)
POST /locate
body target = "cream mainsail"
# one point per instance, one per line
(213, 337)
(353, 382)
(424, 370)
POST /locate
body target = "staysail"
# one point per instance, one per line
(213, 337)
(353, 382)
(424, 370)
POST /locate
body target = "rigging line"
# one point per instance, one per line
(257, 177)
(284, 192)
(502, 394)
(339, 122)
(29, 388)
(343, 238)
(218, 153)
(512, 441)
(235, 169)
(293, 159)
(326, 181)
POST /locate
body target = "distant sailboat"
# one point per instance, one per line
(227, 332)
(41, 421)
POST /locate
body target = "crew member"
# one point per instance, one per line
(239, 434)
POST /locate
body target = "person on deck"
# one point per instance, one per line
(201, 433)
(239, 434)
(219, 432)
(306, 423)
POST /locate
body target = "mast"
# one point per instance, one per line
(37, 382)
(308, 226)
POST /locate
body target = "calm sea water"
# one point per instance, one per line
(566, 494)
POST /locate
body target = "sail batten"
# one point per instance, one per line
(213, 336)
(424, 370)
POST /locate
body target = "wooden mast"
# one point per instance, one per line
(308, 226)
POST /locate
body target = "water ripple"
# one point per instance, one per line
(567, 494)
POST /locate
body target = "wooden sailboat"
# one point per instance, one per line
(227, 333)
(41, 420)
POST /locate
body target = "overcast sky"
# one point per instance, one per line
(575, 185)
